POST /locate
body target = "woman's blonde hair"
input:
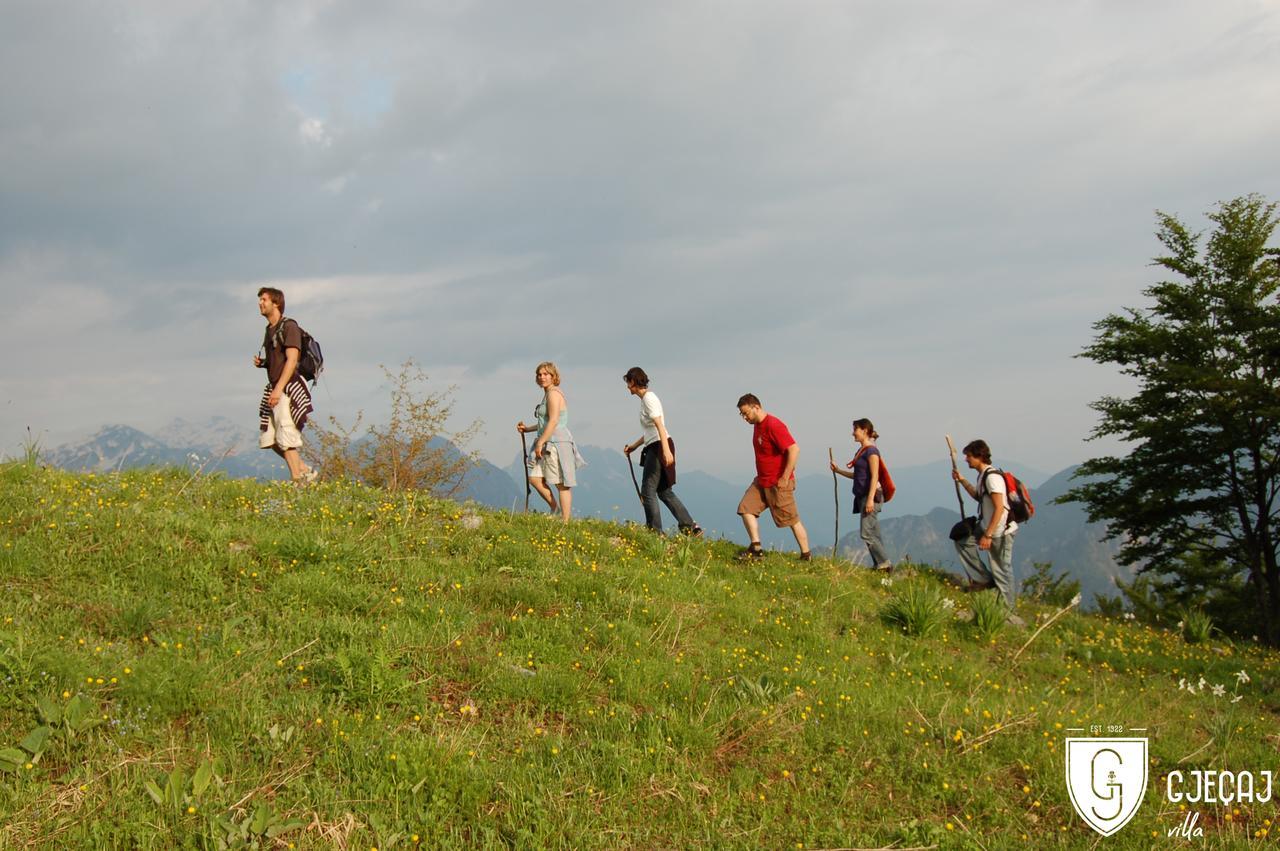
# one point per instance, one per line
(551, 368)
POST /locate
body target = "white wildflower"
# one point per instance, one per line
(1202, 683)
(1242, 677)
(1237, 698)
(1219, 690)
(471, 521)
(886, 582)
(1180, 624)
(948, 603)
(1129, 616)
(1182, 683)
(1075, 601)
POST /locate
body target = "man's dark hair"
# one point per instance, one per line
(276, 296)
(749, 399)
(978, 449)
(636, 376)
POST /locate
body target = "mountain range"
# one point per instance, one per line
(915, 522)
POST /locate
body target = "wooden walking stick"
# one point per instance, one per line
(835, 494)
(524, 460)
(955, 469)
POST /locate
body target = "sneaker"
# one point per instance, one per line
(1015, 620)
(805, 557)
(884, 567)
(752, 552)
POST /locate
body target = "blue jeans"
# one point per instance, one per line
(869, 527)
(651, 464)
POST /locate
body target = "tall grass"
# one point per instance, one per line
(237, 664)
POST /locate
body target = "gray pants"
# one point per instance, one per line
(1001, 570)
(869, 528)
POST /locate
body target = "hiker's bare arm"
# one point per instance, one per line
(997, 516)
(848, 474)
(555, 404)
(789, 466)
(965, 483)
(874, 465)
(667, 458)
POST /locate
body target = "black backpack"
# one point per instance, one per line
(310, 357)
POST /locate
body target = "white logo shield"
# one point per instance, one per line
(1107, 779)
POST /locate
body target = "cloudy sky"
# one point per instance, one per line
(912, 212)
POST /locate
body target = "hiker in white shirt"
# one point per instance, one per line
(994, 531)
(657, 460)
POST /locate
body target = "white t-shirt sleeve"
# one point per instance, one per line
(995, 484)
(650, 410)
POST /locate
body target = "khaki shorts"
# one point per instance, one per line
(552, 472)
(781, 504)
(280, 428)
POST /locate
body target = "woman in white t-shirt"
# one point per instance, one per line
(658, 458)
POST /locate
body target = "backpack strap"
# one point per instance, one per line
(983, 490)
(278, 337)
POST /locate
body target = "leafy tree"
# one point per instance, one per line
(1195, 500)
(414, 450)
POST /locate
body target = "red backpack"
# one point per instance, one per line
(887, 487)
(1018, 495)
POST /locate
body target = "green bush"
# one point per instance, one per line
(1196, 626)
(918, 609)
(989, 614)
(1043, 587)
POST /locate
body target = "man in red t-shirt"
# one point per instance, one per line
(775, 484)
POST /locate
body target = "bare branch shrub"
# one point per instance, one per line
(413, 451)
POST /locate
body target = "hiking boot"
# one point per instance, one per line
(805, 556)
(1015, 620)
(752, 552)
(694, 531)
(884, 567)
(973, 587)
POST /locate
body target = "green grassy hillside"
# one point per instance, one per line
(192, 662)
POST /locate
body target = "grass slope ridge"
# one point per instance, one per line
(222, 663)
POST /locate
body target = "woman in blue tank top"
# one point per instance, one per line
(555, 457)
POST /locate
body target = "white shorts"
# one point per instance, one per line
(280, 428)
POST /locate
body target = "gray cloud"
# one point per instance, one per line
(911, 213)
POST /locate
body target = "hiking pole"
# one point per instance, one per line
(634, 483)
(524, 461)
(835, 494)
(955, 469)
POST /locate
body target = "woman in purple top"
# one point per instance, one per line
(867, 493)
